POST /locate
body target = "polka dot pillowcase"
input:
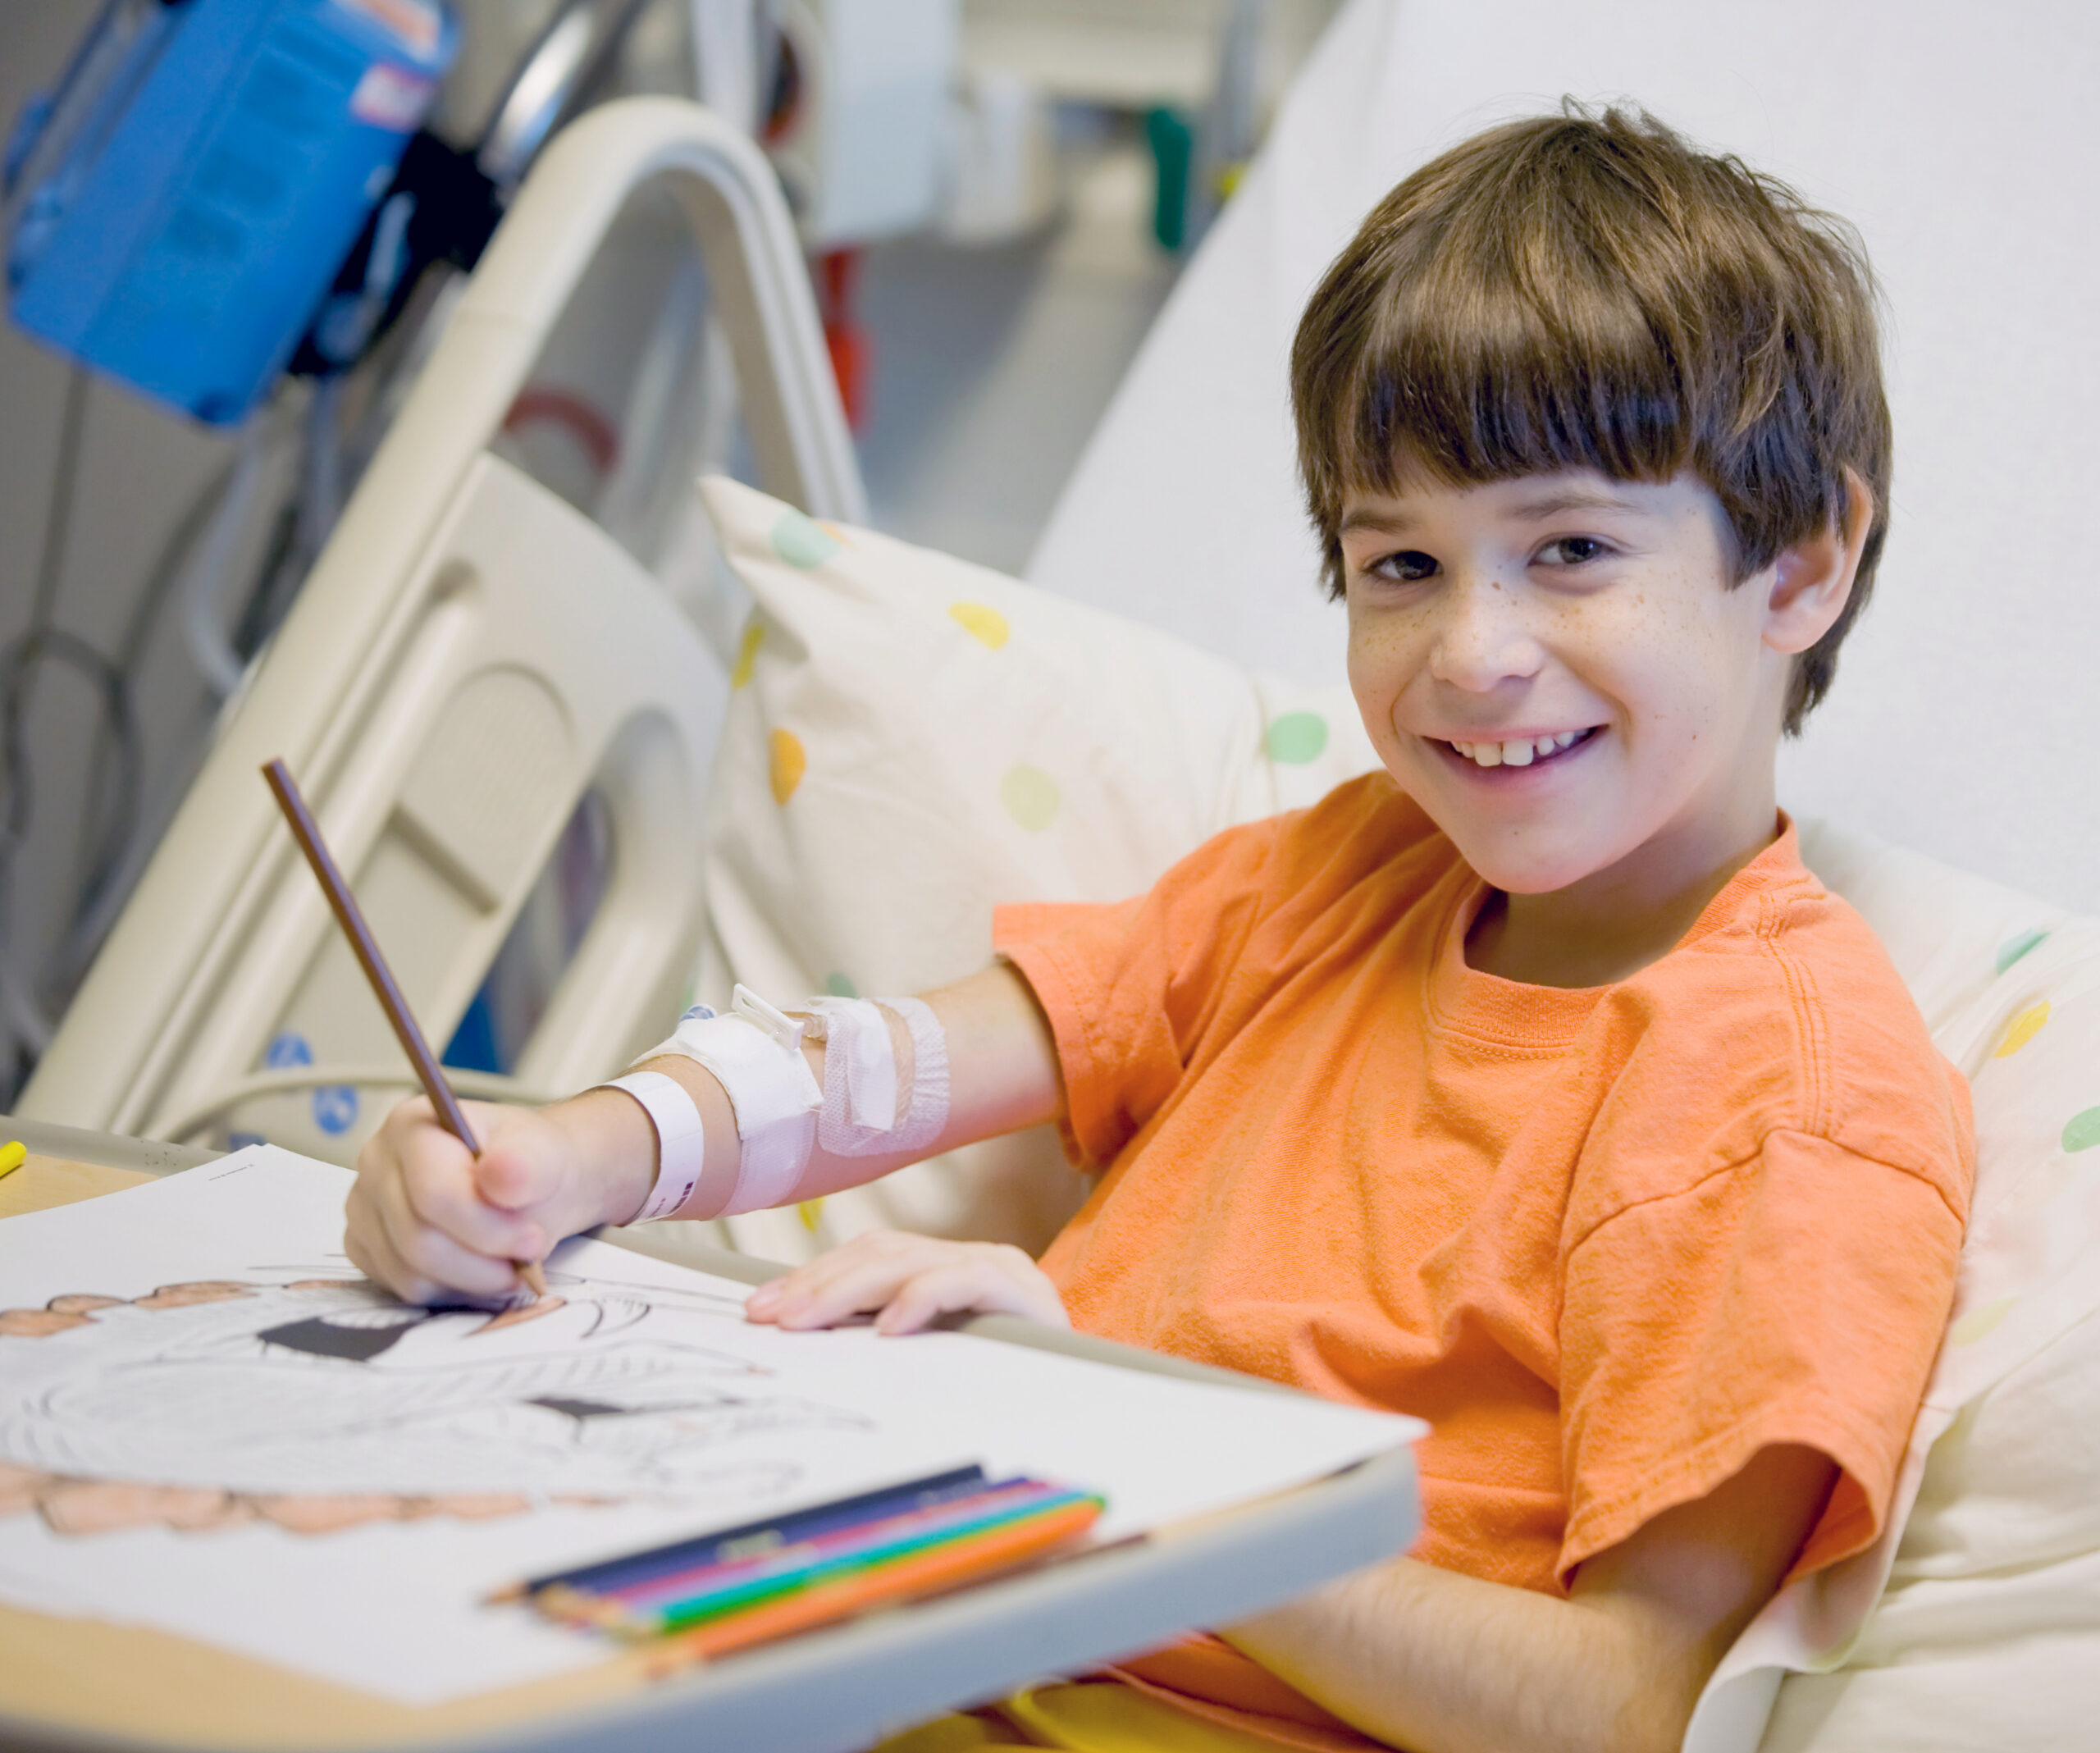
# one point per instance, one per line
(911, 740)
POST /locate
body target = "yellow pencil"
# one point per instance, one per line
(11, 1154)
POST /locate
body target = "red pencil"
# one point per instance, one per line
(908, 1579)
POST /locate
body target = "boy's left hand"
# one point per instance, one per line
(906, 1282)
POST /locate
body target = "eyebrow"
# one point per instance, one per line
(1574, 498)
(1549, 505)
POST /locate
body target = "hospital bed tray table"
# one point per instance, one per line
(74, 1684)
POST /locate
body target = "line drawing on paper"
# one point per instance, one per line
(319, 1403)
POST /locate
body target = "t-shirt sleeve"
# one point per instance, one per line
(1130, 987)
(1797, 1297)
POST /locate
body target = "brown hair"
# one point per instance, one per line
(1590, 291)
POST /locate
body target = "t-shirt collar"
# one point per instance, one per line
(1512, 1014)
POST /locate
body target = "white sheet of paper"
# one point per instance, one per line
(389, 1468)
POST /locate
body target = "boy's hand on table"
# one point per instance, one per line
(905, 1282)
(429, 1222)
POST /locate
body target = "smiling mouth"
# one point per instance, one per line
(1522, 752)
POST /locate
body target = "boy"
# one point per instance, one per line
(1531, 1085)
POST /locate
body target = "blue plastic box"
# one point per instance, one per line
(179, 204)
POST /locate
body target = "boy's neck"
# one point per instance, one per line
(1610, 926)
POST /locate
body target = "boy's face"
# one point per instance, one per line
(1556, 669)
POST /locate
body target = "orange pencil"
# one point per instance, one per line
(887, 1586)
(366, 948)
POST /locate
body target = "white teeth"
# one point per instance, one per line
(1520, 753)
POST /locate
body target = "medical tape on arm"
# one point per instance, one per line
(862, 1114)
(756, 1054)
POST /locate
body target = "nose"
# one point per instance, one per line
(1482, 637)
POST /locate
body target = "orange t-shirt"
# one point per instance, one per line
(1610, 1243)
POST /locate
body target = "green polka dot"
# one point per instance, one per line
(839, 986)
(1298, 737)
(2016, 947)
(801, 541)
(2083, 1131)
(1030, 796)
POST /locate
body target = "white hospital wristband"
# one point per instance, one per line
(681, 1143)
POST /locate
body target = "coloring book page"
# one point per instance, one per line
(209, 1423)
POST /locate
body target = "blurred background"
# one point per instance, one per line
(995, 197)
(1055, 250)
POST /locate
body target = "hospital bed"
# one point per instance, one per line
(470, 656)
(1957, 727)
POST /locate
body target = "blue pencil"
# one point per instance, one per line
(754, 1537)
(741, 1587)
(936, 1522)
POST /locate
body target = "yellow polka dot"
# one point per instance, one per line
(811, 1212)
(1030, 796)
(747, 654)
(2022, 1029)
(982, 622)
(1980, 1323)
(790, 762)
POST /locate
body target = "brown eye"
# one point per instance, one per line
(1408, 567)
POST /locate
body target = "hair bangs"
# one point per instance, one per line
(1473, 374)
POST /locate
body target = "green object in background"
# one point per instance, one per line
(1172, 138)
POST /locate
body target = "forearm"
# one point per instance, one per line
(1440, 1663)
(1002, 1075)
(1436, 1662)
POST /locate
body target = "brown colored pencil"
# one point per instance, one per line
(366, 948)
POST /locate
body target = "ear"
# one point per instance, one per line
(1812, 581)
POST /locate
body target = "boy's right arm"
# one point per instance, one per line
(429, 1220)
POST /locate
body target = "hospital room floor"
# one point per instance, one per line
(992, 365)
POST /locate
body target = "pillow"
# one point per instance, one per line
(912, 740)
(1973, 1624)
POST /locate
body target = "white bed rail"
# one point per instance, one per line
(470, 657)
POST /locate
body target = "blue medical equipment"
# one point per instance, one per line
(177, 207)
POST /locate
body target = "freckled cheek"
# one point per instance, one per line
(1381, 662)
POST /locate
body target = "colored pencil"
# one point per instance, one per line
(729, 1595)
(366, 948)
(932, 1573)
(816, 1544)
(644, 1608)
(752, 1537)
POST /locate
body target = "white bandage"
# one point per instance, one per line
(755, 1053)
(862, 1114)
(681, 1142)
